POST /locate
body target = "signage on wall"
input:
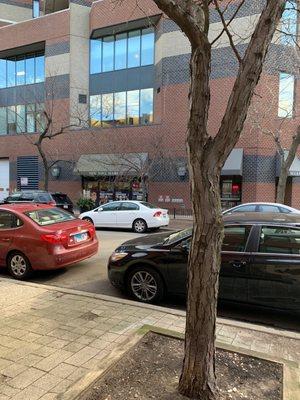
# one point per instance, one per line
(160, 199)
(24, 181)
(294, 173)
(177, 200)
(167, 199)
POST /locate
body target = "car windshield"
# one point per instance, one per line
(149, 205)
(49, 216)
(61, 198)
(175, 237)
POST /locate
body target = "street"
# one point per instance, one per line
(91, 276)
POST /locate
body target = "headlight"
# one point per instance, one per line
(118, 256)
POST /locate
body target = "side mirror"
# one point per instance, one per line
(100, 209)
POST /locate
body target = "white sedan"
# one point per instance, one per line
(262, 207)
(136, 215)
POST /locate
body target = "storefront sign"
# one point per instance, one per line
(177, 200)
(167, 199)
(160, 199)
(24, 181)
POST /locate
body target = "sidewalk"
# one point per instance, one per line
(51, 337)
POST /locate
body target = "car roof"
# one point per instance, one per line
(263, 203)
(262, 217)
(23, 207)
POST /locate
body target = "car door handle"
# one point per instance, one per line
(237, 263)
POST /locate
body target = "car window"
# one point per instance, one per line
(279, 240)
(27, 196)
(43, 198)
(9, 220)
(285, 210)
(246, 208)
(175, 237)
(49, 216)
(267, 208)
(111, 206)
(129, 207)
(61, 198)
(14, 197)
(235, 238)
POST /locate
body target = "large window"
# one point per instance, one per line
(279, 240)
(22, 70)
(21, 119)
(123, 108)
(286, 95)
(289, 24)
(123, 50)
(35, 8)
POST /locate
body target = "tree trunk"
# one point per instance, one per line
(281, 188)
(45, 164)
(198, 379)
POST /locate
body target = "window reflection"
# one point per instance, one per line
(286, 95)
(29, 69)
(123, 50)
(2, 73)
(20, 71)
(132, 108)
(22, 118)
(289, 21)
(11, 72)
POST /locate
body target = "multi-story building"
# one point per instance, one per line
(125, 69)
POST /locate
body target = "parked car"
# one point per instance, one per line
(42, 237)
(136, 215)
(56, 199)
(260, 262)
(262, 207)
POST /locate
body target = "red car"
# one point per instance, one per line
(41, 237)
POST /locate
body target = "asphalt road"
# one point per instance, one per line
(91, 276)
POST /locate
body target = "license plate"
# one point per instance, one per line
(65, 206)
(80, 237)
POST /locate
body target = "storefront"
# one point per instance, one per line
(107, 177)
(231, 180)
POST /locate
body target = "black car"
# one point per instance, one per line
(260, 262)
(40, 196)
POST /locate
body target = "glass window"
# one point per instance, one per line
(129, 207)
(147, 51)
(3, 121)
(120, 108)
(279, 240)
(95, 110)
(49, 216)
(107, 109)
(11, 119)
(248, 208)
(35, 8)
(95, 57)
(286, 95)
(134, 49)
(40, 119)
(21, 119)
(29, 68)
(20, 70)
(9, 220)
(146, 108)
(270, 209)
(11, 72)
(2, 73)
(289, 24)
(30, 118)
(39, 68)
(235, 238)
(120, 51)
(108, 53)
(133, 105)
(111, 206)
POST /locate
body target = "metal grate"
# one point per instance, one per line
(28, 172)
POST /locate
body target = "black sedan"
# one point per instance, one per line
(260, 262)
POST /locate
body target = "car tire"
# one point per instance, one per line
(19, 266)
(151, 279)
(139, 226)
(88, 219)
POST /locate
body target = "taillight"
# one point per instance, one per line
(92, 231)
(55, 238)
(157, 214)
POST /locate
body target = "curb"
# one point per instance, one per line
(166, 310)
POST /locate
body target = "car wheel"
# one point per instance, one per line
(19, 266)
(139, 226)
(88, 220)
(146, 285)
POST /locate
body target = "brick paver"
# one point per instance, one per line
(50, 339)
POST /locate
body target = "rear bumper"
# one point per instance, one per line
(158, 222)
(62, 257)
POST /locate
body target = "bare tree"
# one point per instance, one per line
(207, 154)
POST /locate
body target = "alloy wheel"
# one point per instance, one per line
(18, 265)
(139, 226)
(144, 286)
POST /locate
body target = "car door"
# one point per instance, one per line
(8, 224)
(106, 215)
(275, 268)
(235, 263)
(127, 214)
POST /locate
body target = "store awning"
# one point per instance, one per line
(127, 164)
(234, 163)
(294, 168)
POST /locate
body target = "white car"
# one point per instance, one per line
(136, 215)
(262, 207)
